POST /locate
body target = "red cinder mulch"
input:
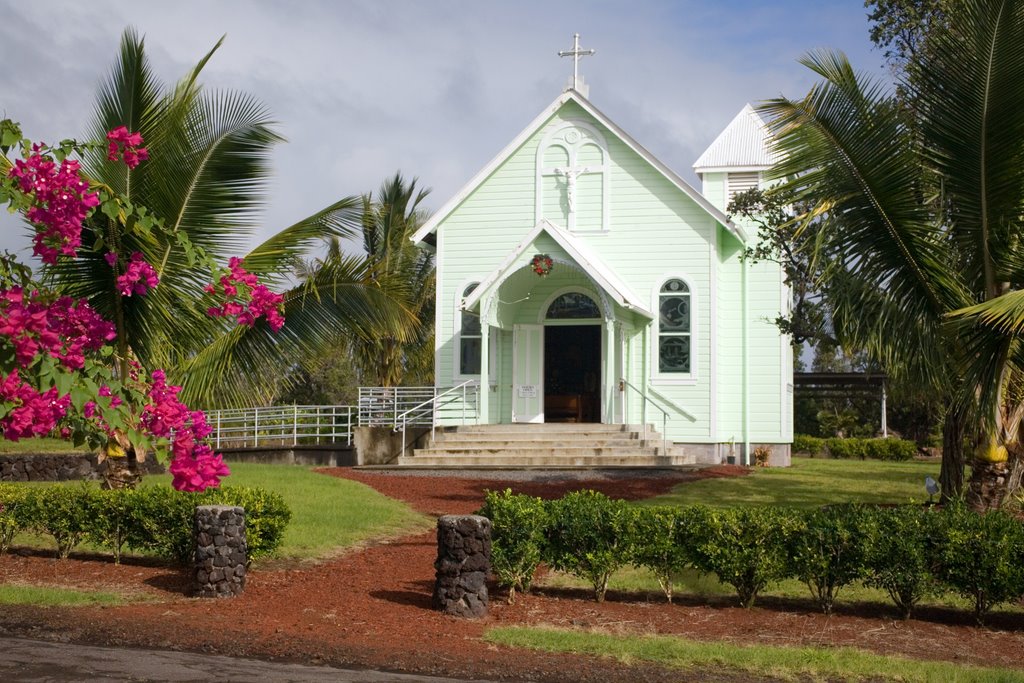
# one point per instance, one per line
(371, 607)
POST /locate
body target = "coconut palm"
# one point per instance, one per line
(921, 222)
(387, 222)
(207, 180)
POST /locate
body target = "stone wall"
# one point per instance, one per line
(463, 562)
(60, 467)
(221, 551)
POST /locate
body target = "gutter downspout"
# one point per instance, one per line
(744, 266)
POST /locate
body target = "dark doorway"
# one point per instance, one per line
(572, 373)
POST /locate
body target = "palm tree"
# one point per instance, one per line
(207, 179)
(921, 222)
(391, 260)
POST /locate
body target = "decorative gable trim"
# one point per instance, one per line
(601, 274)
(571, 95)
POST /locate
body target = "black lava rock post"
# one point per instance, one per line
(463, 562)
(221, 551)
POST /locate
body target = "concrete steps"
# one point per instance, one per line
(551, 445)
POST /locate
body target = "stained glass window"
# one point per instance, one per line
(674, 328)
(573, 306)
(469, 338)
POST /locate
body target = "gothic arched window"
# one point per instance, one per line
(674, 328)
(572, 177)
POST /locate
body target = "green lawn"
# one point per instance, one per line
(40, 445)
(810, 483)
(44, 596)
(329, 514)
(790, 663)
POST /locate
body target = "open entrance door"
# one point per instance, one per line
(572, 373)
(528, 373)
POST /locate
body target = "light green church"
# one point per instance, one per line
(581, 280)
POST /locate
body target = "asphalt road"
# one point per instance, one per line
(39, 661)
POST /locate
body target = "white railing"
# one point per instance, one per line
(623, 385)
(418, 406)
(281, 426)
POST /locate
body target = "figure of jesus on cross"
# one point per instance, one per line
(571, 174)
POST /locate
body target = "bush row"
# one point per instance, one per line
(154, 519)
(908, 551)
(876, 449)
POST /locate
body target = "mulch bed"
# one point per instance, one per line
(371, 607)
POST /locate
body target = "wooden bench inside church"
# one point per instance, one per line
(563, 408)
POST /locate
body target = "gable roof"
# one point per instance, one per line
(601, 274)
(742, 146)
(572, 95)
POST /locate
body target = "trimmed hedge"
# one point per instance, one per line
(908, 551)
(875, 449)
(157, 519)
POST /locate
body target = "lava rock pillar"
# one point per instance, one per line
(463, 563)
(221, 551)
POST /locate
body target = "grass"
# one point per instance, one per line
(329, 514)
(791, 663)
(810, 483)
(46, 596)
(41, 446)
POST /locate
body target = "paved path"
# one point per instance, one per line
(38, 661)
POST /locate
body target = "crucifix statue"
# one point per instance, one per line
(571, 174)
(576, 53)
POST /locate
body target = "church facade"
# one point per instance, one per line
(580, 279)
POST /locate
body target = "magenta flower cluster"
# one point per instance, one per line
(194, 465)
(138, 277)
(34, 413)
(61, 201)
(64, 328)
(239, 284)
(125, 145)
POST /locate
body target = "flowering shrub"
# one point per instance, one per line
(236, 286)
(55, 352)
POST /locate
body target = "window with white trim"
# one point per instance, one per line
(470, 339)
(674, 338)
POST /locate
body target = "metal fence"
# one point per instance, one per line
(281, 426)
(396, 407)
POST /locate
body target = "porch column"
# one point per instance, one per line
(485, 379)
(609, 371)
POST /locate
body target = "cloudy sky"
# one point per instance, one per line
(434, 89)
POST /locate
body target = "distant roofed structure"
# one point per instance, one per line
(741, 147)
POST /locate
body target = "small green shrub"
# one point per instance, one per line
(897, 553)
(12, 515)
(828, 551)
(114, 516)
(846, 448)
(517, 538)
(663, 541)
(981, 556)
(811, 445)
(589, 536)
(747, 548)
(63, 512)
(876, 449)
(900, 450)
(266, 516)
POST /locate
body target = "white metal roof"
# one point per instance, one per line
(431, 225)
(579, 252)
(742, 146)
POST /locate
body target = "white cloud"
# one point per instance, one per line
(434, 89)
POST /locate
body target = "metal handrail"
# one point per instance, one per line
(433, 402)
(281, 425)
(643, 413)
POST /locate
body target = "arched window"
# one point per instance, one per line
(469, 337)
(573, 306)
(573, 177)
(674, 312)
